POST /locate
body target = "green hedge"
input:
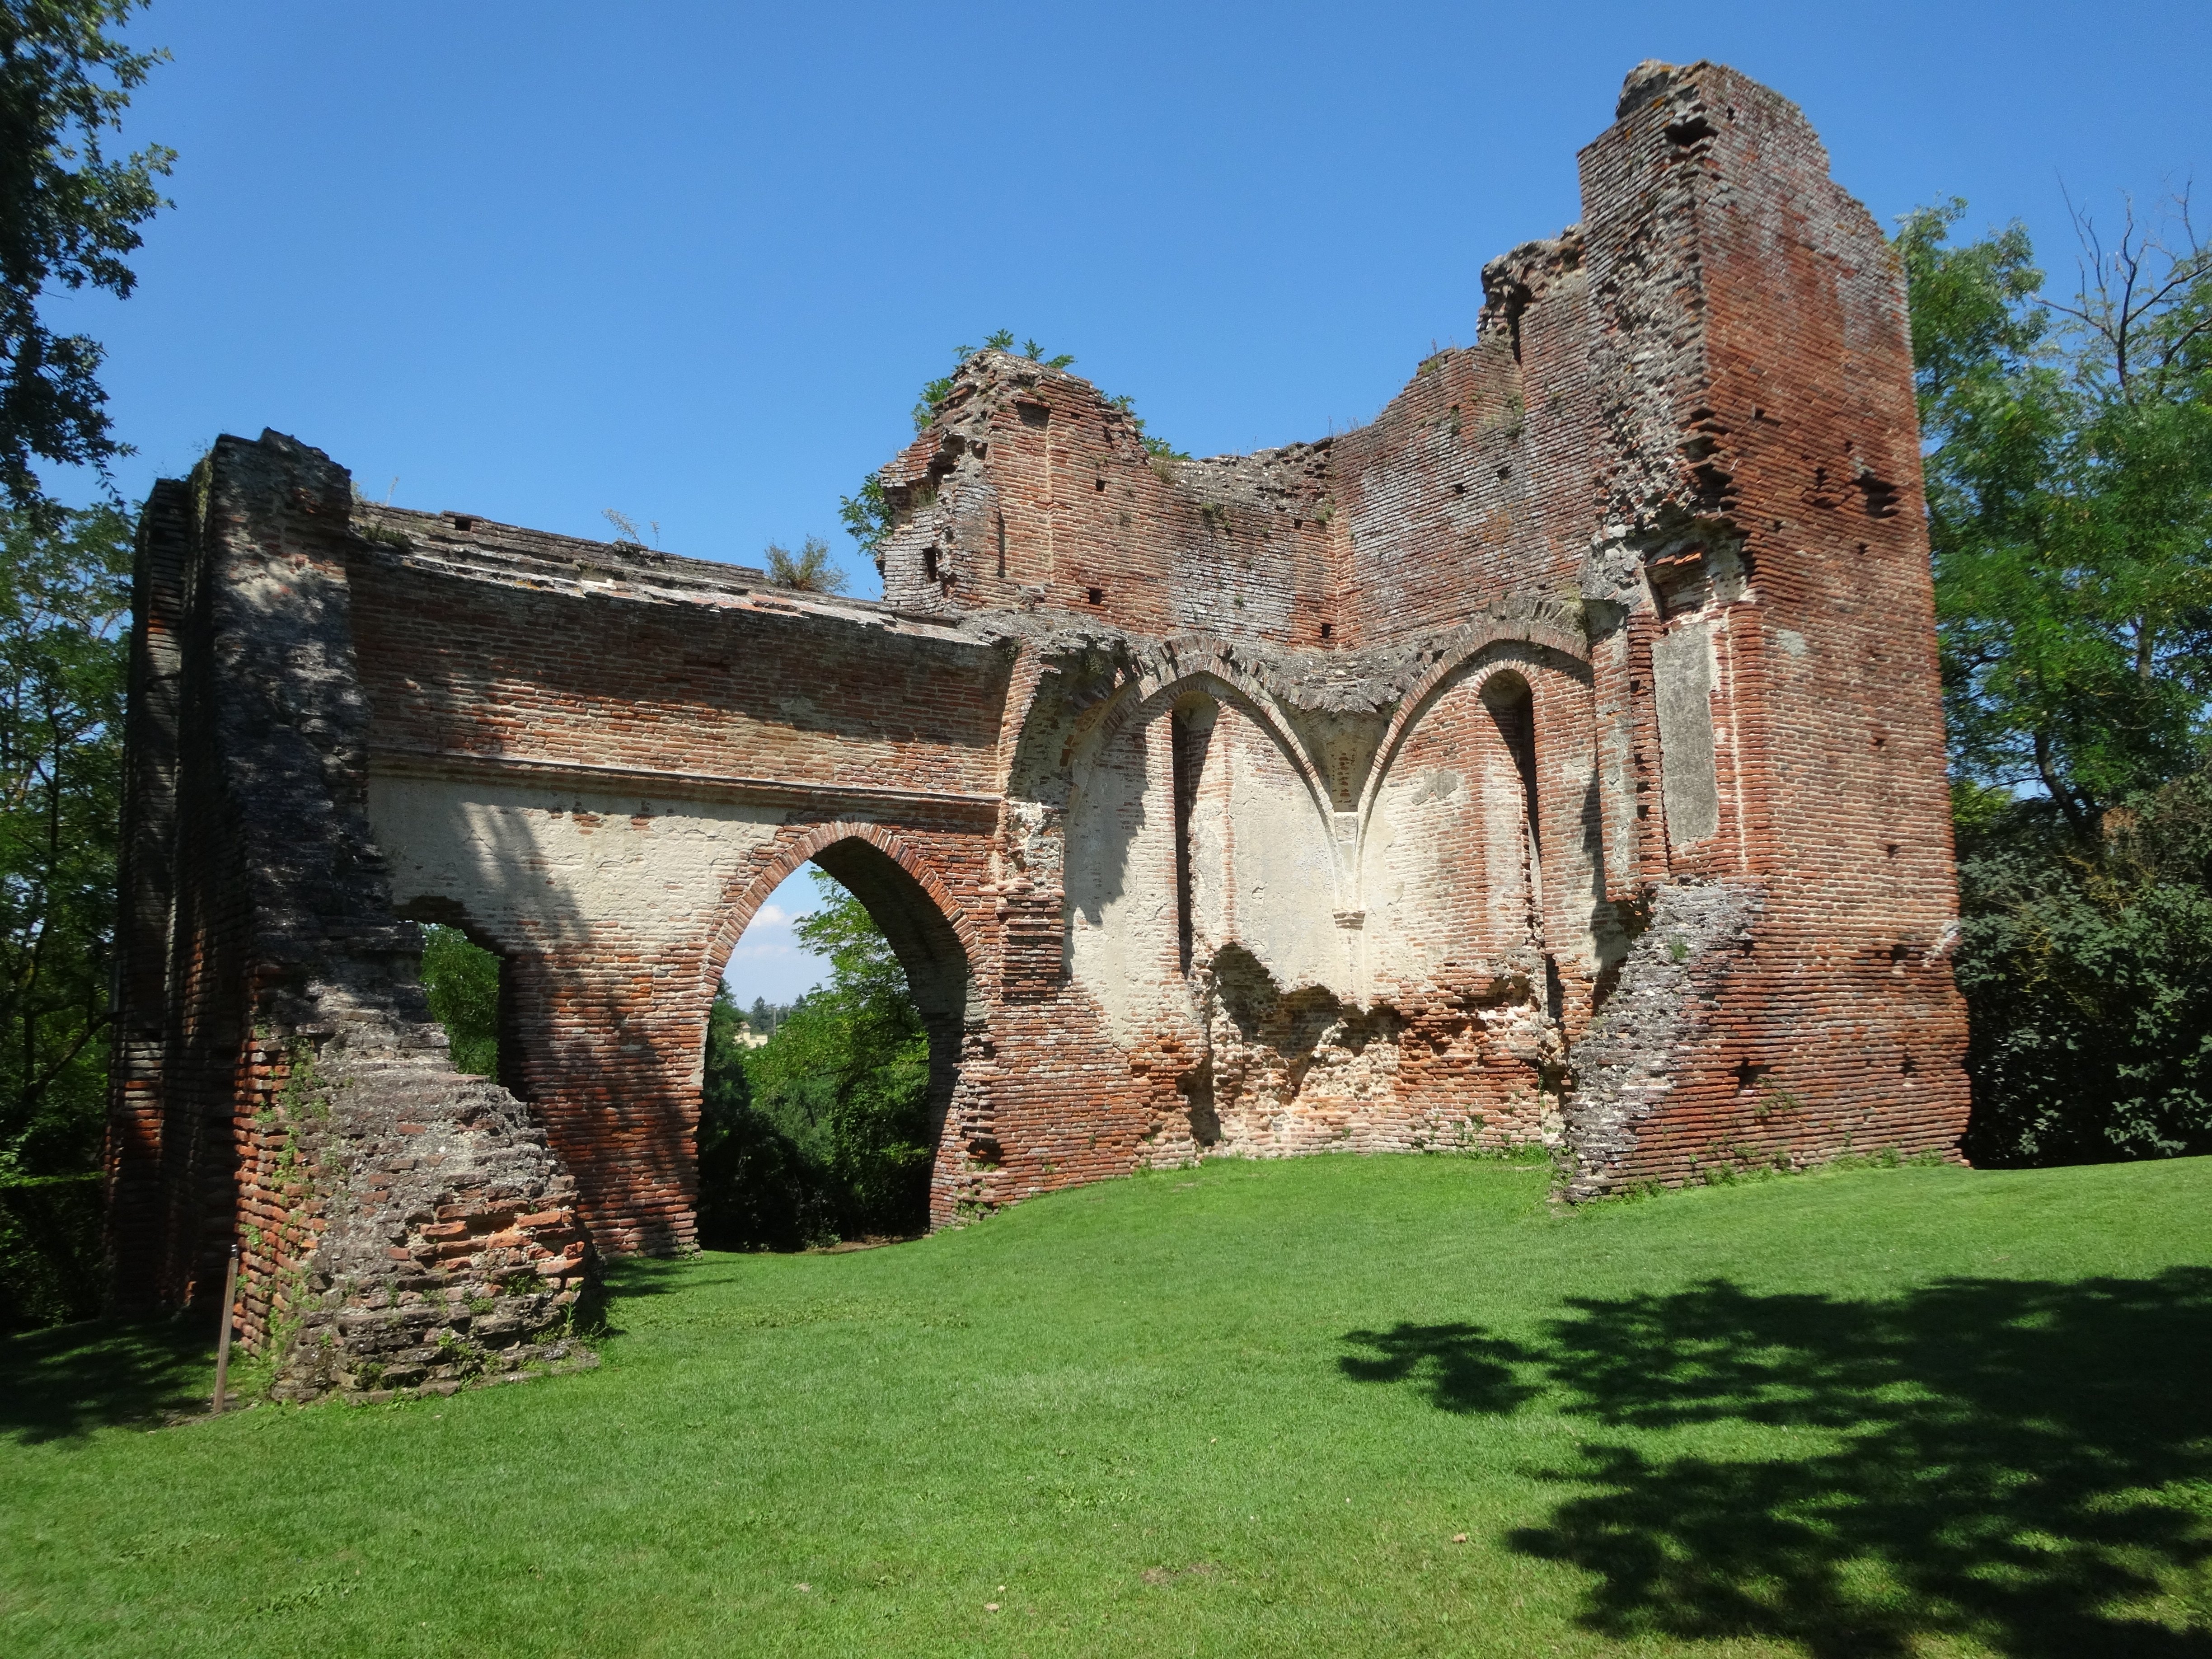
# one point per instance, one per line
(51, 1261)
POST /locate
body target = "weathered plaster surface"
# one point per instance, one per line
(532, 869)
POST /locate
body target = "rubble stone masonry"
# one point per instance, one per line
(1556, 760)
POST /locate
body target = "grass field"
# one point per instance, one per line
(1337, 1406)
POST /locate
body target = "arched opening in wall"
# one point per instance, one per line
(833, 1050)
(465, 982)
(1512, 706)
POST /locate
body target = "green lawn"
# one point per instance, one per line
(1249, 1409)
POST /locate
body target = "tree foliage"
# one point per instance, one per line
(64, 600)
(822, 1132)
(462, 982)
(68, 215)
(2087, 972)
(2070, 492)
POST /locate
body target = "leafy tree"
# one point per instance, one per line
(2069, 490)
(2088, 975)
(810, 571)
(69, 214)
(757, 1190)
(462, 982)
(63, 605)
(822, 1131)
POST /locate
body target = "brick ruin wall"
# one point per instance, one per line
(1555, 760)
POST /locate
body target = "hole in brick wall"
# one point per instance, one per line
(1745, 945)
(1459, 489)
(1098, 484)
(463, 522)
(1891, 850)
(1297, 524)
(1898, 952)
(1506, 471)
(1033, 414)
(1750, 1076)
(1683, 134)
(1908, 1065)
(1881, 496)
(1328, 630)
(929, 564)
(1880, 740)
(465, 983)
(1096, 595)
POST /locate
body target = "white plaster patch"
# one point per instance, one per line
(1683, 674)
(533, 865)
(1282, 864)
(1121, 892)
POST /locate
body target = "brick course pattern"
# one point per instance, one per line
(1556, 760)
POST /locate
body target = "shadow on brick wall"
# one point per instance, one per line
(2025, 1464)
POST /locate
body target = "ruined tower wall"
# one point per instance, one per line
(1771, 687)
(1469, 486)
(1029, 489)
(397, 1225)
(137, 1185)
(1556, 759)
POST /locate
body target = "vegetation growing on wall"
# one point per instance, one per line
(867, 513)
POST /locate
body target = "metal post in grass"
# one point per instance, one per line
(223, 1342)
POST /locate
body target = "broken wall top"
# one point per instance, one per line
(1600, 414)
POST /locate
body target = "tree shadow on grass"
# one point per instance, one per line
(65, 1382)
(2026, 1465)
(1463, 1367)
(628, 1281)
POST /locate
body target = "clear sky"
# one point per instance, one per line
(692, 261)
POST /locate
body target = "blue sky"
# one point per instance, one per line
(691, 262)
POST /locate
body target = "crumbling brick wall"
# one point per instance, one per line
(280, 1086)
(1556, 759)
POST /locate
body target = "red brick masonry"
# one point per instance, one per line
(1556, 759)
